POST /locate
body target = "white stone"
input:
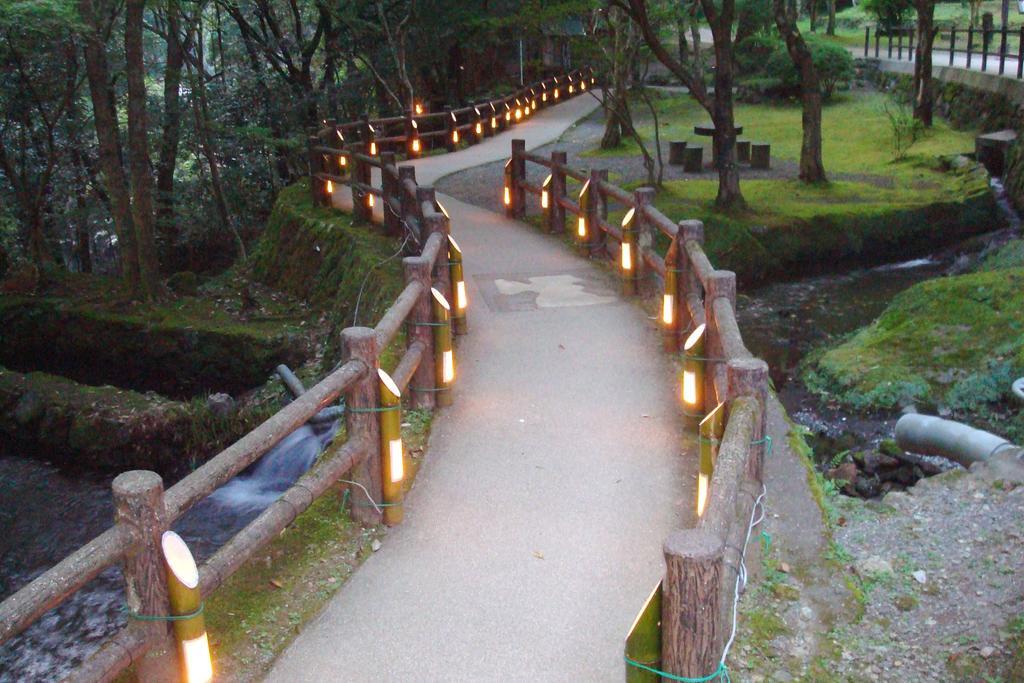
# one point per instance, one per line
(920, 576)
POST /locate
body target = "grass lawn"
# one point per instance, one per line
(873, 204)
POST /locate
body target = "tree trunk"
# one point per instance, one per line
(168, 160)
(812, 12)
(138, 150)
(812, 168)
(924, 96)
(108, 136)
(831, 28)
(729, 194)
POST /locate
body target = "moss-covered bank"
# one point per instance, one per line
(952, 345)
(319, 255)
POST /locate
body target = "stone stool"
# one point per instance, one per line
(676, 153)
(743, 151)
(760, 155)
(693, 159)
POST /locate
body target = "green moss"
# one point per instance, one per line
(319, 255)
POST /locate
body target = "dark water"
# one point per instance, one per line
(46, 514)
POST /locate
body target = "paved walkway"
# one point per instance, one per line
(533, 533)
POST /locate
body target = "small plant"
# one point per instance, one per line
(906, 130)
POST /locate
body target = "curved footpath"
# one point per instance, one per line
(533, 533)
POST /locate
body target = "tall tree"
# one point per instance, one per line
(143, 207)
(812, 168)
(924, 94)
(720, 15)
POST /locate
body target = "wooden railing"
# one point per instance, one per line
(979, 44)
(143, 510)
(698, 588)
(346, 153)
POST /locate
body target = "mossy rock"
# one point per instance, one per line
(954, 342)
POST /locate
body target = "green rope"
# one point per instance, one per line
(708, 359)
(721, 672)
(703, 439)
(345, 499)
(431, 391)
(418, 324)
(767, 538)
(384, 409)
(164, 617)
(767, 441)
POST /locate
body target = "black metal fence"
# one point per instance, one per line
(985, 49)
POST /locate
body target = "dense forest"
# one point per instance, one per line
(146, 138)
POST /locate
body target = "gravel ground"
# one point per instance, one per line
(935, 591)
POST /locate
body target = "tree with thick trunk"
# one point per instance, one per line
(167, 162)
(812, 168)
(143, 208)
(830, 29)
(108, 136)
(924, 95)
(720, 16)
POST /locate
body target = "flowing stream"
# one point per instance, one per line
(45, 514)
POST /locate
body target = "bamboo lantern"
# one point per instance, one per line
(460, 323)
(627, 254)
(415, 144)
(507, 199)
(392, 455)
(692, 384)
(581, 221)
(545, 198)
(712, 428)
(444, 355)
(186, 605)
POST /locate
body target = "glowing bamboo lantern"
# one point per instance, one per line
(508, 185)
(545, 197)
(627, 254)
(418, 108)
(581, 222)
(444, 355)
(711, 430)
(415, 145)
(459, 320)
(669, 318)
(392, 454)
(692, 381)
(186, 606)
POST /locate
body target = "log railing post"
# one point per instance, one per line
(689, 281)
(517, 208)
(437, 222)
(644, 197)
(139, 505)
(417, 269)
(361, 175)
(313, 158)
(391, 194)
(749, 377)
(410, 213)
(721, 284)
(360, 343)
(556, 216)
(692, 632)
(597, 211)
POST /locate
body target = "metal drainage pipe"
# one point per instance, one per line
(295, 386)
(953, 440)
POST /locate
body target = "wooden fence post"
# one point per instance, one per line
(749, 377)
(721, 284)
(692, 631)
(556, 216)
(644, 197)
(417, 269)
(361, 177)
(409, 205)
(313, 159)
(360, 343)
(597, 211)
(517, 209)
(391, 196)
(689, 281)
(139, 505)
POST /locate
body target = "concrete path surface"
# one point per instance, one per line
(533, 533)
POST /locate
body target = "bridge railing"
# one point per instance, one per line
(698, 315)
(144, 510)
(980, 45)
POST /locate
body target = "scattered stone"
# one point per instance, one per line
(987, 651)
(920, 576)
(874, 565)
(375, 545)
(221, 404)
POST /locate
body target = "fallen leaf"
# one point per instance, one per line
(538, 554)
(276, 584)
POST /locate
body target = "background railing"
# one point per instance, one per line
(143, 510)
(982, 46)
(697, 592)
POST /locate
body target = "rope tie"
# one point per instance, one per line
(163, 617)
(721, 672)
(382, 409)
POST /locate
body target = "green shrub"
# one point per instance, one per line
(834, 64)
(752, 53)
(889, 13)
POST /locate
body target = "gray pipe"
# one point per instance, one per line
(958, 442)
(295, 386)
